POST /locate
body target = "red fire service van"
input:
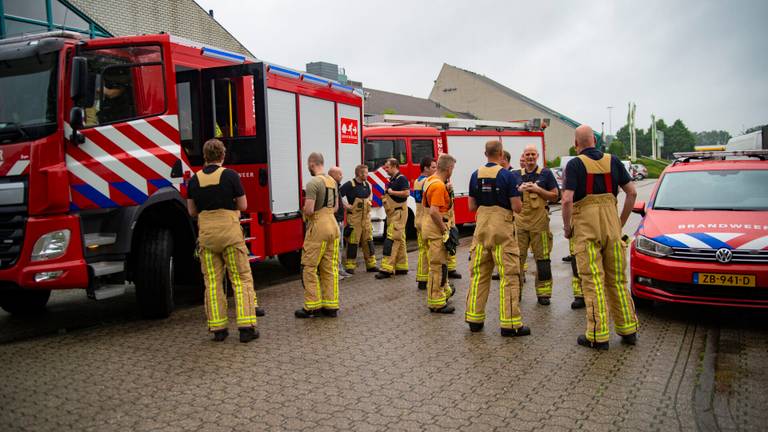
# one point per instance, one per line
(99, 137)
(410, 138)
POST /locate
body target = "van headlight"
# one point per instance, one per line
(51, 245)
(652, 248)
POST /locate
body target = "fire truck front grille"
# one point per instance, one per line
(11, 238)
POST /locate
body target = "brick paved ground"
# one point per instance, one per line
(384, 364)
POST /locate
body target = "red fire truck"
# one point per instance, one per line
(411, 138)
(99, 137)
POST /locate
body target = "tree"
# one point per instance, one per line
(572, 151)
(712, 138)
(677, 138)
(754, 129)
(617, 148)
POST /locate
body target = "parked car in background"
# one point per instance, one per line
(641, 171)
(629, 168)
(704, 234)
(558, 173)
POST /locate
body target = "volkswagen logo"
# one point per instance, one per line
(724, 255)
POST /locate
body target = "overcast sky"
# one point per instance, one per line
(701, 61)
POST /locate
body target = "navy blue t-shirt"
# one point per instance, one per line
(576, 175)
(506, 188)
(545, 179)
(399, 183)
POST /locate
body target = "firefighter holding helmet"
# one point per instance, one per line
(320, 254)
(216, 197)
(428, 167)
(356, 198)
(493, 194)
(395, 256)
(591, 218)
(538, 188)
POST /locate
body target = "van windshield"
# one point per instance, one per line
(713, 190)
(28, 103)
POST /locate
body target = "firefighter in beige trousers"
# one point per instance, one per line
(539, 188)
(435, 225)
(428, 168)
(493, 194)
(320, 254)
(216, 197)
(356, 198)
(395, 255)
(591, 218)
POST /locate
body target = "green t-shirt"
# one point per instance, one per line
(316, 190)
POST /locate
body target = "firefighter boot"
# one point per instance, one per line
(248, 334)
(475, 327)
(520, 331)
(260, 312)
(220, 335)
(422, 285)
(583, 341)
(578, 303)
(630, 339)
(303, 313)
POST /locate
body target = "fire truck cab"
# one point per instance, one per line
(98, 139)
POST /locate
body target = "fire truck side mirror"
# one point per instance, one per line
(78, 87)
(76, 121)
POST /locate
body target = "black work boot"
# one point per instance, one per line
(583, 341)
(248, 334)
(303, 313)
(453, 274)
(220, 335)
(544, 301)
(350, 270)
(520, 331)
(383, 275)
(330, 313)
(401, 272)
(578, 303)
(260, 311)
(495, 276)
(372, 270)
(422, 285)
(447, 309)
(475, 327)
(630, 339)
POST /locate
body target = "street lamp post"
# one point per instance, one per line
(610, 129)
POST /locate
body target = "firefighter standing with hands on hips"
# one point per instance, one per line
(216, 197)
(428, 167)
(356, 198)
(435, 226)
(395, 259)
(538, 188)
(320, 254)
(493, 194)
(591, 218)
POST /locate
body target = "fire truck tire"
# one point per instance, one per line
(24, 301)
(154, 273)
(291, 261)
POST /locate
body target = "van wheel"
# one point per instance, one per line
(24, 301)
(154, 273)
(291, 261)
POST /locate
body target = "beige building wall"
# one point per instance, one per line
(463, 91)
(184, 18)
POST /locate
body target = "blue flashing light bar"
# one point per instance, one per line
(223, 55)
(284, 72)
(342, 87)
(306, 77)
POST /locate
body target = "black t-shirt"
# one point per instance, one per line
(399, 183)
(576, 175)
(214, 197)
(359, 190)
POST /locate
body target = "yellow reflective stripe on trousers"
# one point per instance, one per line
(475, 280)
(599, 292)
(502, 282)
(545, 244)
(236, 281)
(420, 270)
(211, 270)
(619, 277)
(335, 263)
(319, 292)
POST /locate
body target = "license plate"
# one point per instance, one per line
(724, 279)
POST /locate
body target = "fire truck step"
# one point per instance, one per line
(245, 221)
(107, 267)
(109, 291)
(94, 240)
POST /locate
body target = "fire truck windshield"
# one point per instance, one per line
(28, 104)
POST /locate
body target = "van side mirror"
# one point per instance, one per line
(78, 86)
(639, 208)
(77, 121)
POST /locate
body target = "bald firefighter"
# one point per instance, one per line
(435, 226)
(591, 218)
(216, 197)
(538, 188)
(428, 167)
(395, 255)
(320, 255)
(493, 194)
(356, 198)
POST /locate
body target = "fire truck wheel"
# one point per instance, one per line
(291, 261)
(24, 302)
(154, 273)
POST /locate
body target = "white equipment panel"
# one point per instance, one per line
(469, 152)
(318, 133)
(282, 152)
(349, 153)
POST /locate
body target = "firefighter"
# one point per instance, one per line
(428, 167)
(216, 197)
(538, 188)
(452, 272)
(395, 256)
(591, 218)
(337, 174)
(320, 255)
(356, 198)
(493, 194)
(435, 226)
